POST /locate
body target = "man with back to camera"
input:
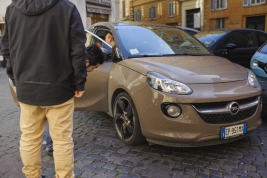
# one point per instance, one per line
(47, 66)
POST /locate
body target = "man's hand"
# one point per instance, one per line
(78, 94)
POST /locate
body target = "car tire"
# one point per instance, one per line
(126, 120)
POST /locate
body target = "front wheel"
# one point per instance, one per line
(126, 120)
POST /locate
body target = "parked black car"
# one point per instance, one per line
(236, 45)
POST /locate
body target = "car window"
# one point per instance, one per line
(240, 39)
(158, 40)
(261, 38)
(101, 34)
(91, 39)
(263, 49)
(210, 37)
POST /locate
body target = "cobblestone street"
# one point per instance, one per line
(100, 154)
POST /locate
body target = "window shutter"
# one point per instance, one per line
(136, 15)
(140, 15)
(211, 5)
(245, 3)
(262, 1)
(224, 4)
(173, 9)
(150, 12)
(155, 12)
(123, 8)
(170, 9)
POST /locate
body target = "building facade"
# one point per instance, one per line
(126, 10)
(192, 12)
(235, 14)
(91, 11)
(188, 13)
(97, 11)
(3, 6)
(156, 11)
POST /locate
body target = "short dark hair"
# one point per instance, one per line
(108, 32)
(94, 54)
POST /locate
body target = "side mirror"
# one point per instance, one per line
(106, 53)
(230, 46)
(115, 53)
(114, 46)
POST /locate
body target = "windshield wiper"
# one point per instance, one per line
(185, 54)
(144, 55)
(182, 54)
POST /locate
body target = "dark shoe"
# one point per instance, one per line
(42, 176)
(50, 152)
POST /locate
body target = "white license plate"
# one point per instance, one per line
(234, 130)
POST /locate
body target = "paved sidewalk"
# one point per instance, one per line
(100, 154)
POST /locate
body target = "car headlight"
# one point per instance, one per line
(255, 63)
(252, 79)
(162, 83)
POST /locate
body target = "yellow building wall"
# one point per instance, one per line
(127, 9)
(162, 16)
(235, 15)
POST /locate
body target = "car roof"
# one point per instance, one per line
(128, 23)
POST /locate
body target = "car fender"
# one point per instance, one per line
(124, 78)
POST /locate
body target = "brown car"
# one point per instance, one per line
(163, 86)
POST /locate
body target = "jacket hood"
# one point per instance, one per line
(190, 69)
(33, 7)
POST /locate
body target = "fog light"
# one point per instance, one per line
(171, 110)
(255, 63)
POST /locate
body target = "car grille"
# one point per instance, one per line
(209, 111)
(263, 66)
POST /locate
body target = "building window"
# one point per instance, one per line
(220, 23)
(138, 15)
(256, 22)
(218, 4)
(123, 8)
(253, 2)
(152, 13)
(171, 9)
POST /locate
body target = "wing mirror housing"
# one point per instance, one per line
(115, 53)
(107, 54)
(230, 46)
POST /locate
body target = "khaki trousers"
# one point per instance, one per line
(32, 124)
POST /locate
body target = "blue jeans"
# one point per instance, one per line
(47, 140)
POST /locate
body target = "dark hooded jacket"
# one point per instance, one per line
(44, 43)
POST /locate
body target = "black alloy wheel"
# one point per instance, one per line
(126, 120)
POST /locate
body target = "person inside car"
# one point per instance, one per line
(109, 37)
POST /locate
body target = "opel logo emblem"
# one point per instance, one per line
(233, 107)
(265, 68)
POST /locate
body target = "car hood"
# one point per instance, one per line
(190, 69)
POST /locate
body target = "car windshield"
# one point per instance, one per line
(263, 49)
(209, 37)
(142, 41)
